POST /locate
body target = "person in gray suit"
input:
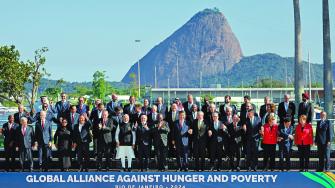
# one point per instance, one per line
(25, 143)
(161, 132)
(43, 134)
(72, 118)
(105, 140)
(323, 138)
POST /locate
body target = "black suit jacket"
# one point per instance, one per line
(10, 134)
(83, 136)
(282, 113)
(306, 110)
(262, 111)
(223, 112)
(127, 109)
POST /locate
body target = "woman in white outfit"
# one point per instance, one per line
(125, 138)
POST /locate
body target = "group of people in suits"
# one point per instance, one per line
(182, 130)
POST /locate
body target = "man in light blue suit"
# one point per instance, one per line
(112, 105)
(180, 141)
(43, 134)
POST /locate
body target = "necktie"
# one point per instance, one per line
(24, 131)
(72, 120)
(42, 124)
(181, 124)
(173, 116)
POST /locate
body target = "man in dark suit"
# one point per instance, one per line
(262, 110)
(9, 131)
(161, 107)
(143, 142)
(253, 126)
(82, 139)
(286, 109)
(136, 116)
(152, 116)
(217, 135)
(21, 113)
(25, 143)
(323, 138)
(244, 110)
(43, 134)
(146, 109)
(209, 116)
(199, 131)
(306, 108)
(72, 118)
(117, 118)
(62, 107)
(190, 119)
(235, 131)
(226, 104)
(112, 104)
(95, 119)
(188, 105)
(82, 107)
(161, 132)
(171, 117)
(180, 141)
(130, 108)
(106, 140)
(285, 143)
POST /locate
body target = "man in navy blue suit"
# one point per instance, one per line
(112, 105)
(323, 137)
(62, 107)
(285, 143)
(43, 134)
(82, 107)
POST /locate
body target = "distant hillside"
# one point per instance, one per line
(206, 42)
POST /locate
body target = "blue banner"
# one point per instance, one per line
(167, 180)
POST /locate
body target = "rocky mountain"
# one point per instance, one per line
(205, 43)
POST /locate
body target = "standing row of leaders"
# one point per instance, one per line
(181, 132)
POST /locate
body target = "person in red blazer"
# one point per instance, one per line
(303, 139)
(269, 131)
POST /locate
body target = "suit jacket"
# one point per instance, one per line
(143, 135)
(161, 135)
(307, 110)
(199, 136)
(50, 116)
(152, 119)
(111, 107)
(61, 109)
(83, 136)
(209, 118)
(27, 140)
(253, 127)
(262, 111)
(190, 118)
(63, 140)
(129, 109)
(244, 109)
(107, 134)
(146, 110)
(218, 135)
(9, 134)
(17, 117)
(117, 119)
(324, 132)
(303, 136)
(169, 119)
(235, 134)
(136, 117)
(180, 134)
(282, 113)
(163, 109)
(285, 142)
(83, 109)
(69, 120)
(95, 119)
(43, 135)
(222, 110)
(188, 110)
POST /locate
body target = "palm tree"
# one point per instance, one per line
(298, 66)
(327, 65)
